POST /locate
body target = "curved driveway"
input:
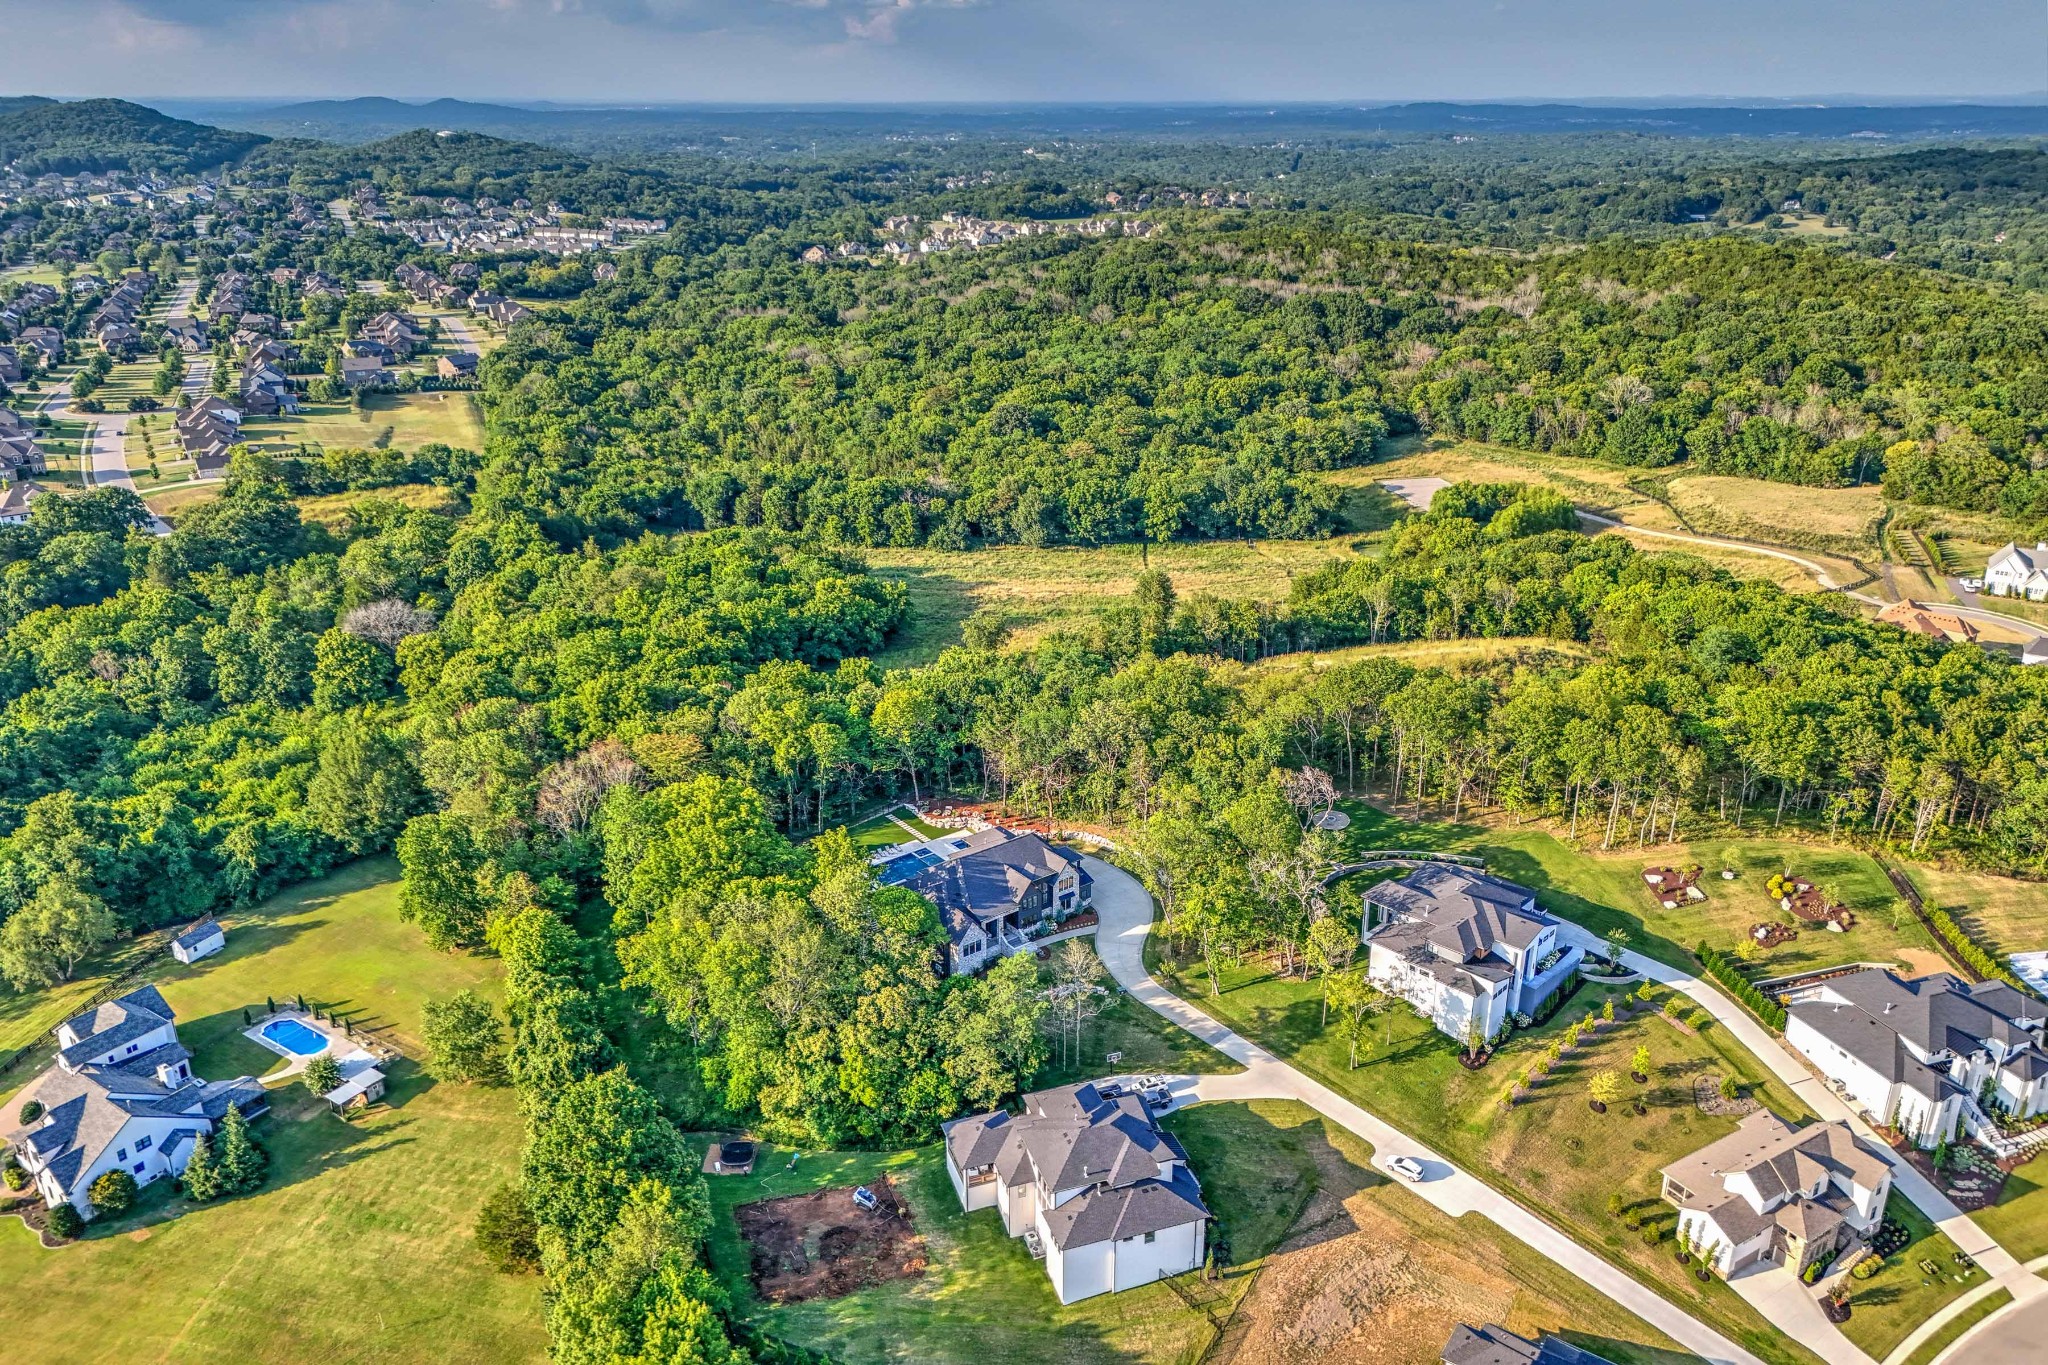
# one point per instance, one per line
(1125, 911)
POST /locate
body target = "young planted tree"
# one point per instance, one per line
(202, 1176)
(1639, 1063)
(1617, 941)
(1331, 946)
(1605, 1089)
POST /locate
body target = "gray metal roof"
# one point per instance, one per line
(199, 933)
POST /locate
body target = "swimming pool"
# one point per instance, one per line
(295, 1038)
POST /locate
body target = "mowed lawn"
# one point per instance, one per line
(1604, 891)
(1143, 1040)
(1551, 1152)
(2019, 1220)
(358, 1246)
(405, 421)
(2005, 915)
(1274, 1175)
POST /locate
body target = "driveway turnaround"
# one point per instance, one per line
(1125, 911)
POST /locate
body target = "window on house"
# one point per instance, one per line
(139, 1165)
(142, 1143)
(1151, 1236)
(121, 1155)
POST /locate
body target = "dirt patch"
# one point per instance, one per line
(1920, 962)
(824, 1246)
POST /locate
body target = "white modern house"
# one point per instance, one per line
(203, 939)
(121, 1096)
(1466, 949)
(2017, 571)
(994, 890)
(1090, 1183)
(1772, 1192)
(1928, 1057)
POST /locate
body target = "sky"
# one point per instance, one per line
(891, 51)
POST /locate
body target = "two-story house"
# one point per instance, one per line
(993, 890)
(2018, 571)
(1927, 1057)
(1090, 1183)
(1772, 1192)
(121, 1096)
(1468, 950)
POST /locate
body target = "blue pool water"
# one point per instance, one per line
(294, 1037)
(909, 865)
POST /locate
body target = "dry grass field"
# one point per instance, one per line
(404, 420)
(1840, 519)
(1038, 591)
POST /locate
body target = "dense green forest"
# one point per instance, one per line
(107, 135)
(1097, 390)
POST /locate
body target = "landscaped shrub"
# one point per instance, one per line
(1812, 1273)
(1729, 1089)
(113, 1192)
(66, 1222)
(31, 1111)
(1867, 1267)
(322, 1074)
(15, 1174)
(1728, 975)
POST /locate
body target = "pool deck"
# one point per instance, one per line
(344, 1049)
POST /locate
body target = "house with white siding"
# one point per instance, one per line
(2017, 571)
(1467, 950)
(121, 1096)
(1928, 1057)
(1772, 1192)
(1090, 1182)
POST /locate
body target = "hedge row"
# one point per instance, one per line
(1966, 948)
(1728, 975)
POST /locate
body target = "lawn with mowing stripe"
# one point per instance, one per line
(357, 1248)
(1884, 1309)
(1951, 1332)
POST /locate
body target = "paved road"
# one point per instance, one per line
(1125, 910)
(2017, 1335)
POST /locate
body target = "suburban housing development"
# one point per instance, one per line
(1090, 1183)
(122, 1096)
(1772, 1192)
(1926, 1056)
(1466, 949)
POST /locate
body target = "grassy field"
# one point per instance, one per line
(2019, 1221)
(332, 509)
(1884, 1309)
(357, 1248)
(1146, 1040)
(2005, 915)
(1550, 1151)
(1604, 890)
(1844, 520)
(403, 420)
(1276, 1177)
(1037, 591)
(1930, 1350)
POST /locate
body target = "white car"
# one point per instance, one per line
(1407, 1167)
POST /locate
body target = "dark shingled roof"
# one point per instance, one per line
(1874, 1015)
(990, 879)
(1455, 911)
(1491, 1345)
(105, 1027)
(1076, 1136)
(198, 933)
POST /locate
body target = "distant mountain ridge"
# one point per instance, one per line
(371, 117)
(70, 137)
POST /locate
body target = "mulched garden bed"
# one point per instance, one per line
(1973, 1180)
(822, 1245)
(1706, 1094)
